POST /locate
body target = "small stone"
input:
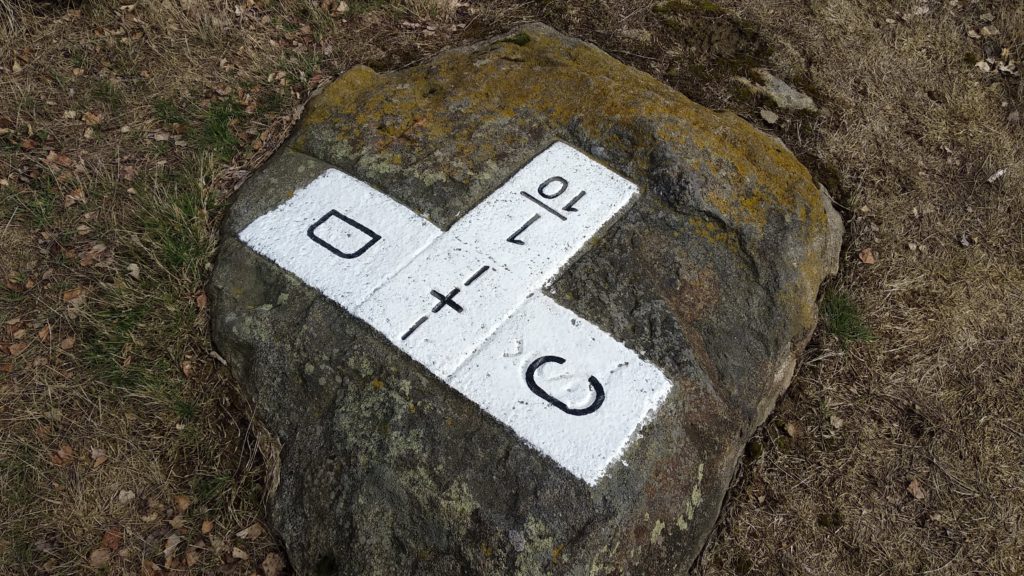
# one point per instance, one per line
(782, 94)
(638, 35)
(769, 116)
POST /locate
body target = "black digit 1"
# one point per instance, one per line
(563, 184)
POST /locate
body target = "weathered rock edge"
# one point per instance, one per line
(712, 275)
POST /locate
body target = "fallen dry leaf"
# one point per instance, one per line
(63, 455)
(182, 502)
(177, 522)
(252, 532)
(916, 490)
(170, 545)
(72, 295)
(99, 558)
(99, 456)
(92, 119)
(44, 334)
(207, 527)
(867, 256)
(18, 348)
(76, 196)
(111, 539)
(191, 556)
(273, 564)
(237, 552)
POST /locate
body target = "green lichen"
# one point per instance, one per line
(520, 39)
(539, 550)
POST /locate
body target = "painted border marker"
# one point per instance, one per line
(466, 304)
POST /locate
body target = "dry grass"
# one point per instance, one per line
(123, 129)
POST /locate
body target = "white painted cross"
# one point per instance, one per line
(466, 303)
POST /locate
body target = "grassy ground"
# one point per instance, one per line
(125, 127)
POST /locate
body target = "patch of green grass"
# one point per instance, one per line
(270, 102)
(357, 7)
(208, 488)
(21, 484)
(185, 410)
(37, 205)
(842, 318)
(215, 135)
(304, 68)
(167, 112)
(174, 219)
(107, 92)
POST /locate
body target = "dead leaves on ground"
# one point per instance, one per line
(916, 490)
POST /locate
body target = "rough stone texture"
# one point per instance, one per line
(712, 275)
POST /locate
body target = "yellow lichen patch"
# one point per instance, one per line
(656, 537)
(558, 83)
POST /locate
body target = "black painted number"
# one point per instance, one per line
(536, 389)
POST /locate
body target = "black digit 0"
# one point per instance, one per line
(563, 184)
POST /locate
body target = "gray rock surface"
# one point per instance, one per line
(712, 275)
(783, 95)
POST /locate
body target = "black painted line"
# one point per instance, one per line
(446, 300)
(373, 236)
(543, 205)
(531, 383)
(560, 180)
(513, 238)
(478, 274)
(414, 327)
(569, 207)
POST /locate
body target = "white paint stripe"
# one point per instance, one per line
(523, 236)
(495, 378)
(283, 236)
(465, 304)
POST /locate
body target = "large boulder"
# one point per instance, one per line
(711, 275)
